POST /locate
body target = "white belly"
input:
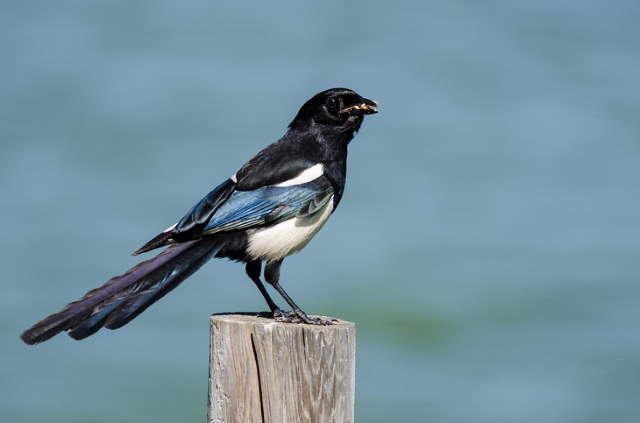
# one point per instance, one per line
(288, 237)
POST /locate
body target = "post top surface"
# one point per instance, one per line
(254, 318)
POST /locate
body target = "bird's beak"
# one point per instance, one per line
(363, 107)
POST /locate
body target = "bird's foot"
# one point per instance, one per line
(299, 316)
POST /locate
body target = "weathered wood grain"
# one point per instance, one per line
(263, 371)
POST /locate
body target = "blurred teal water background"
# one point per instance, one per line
(488, 241)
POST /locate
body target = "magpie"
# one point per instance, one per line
(266, 211)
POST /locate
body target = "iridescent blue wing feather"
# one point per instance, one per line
(272, 204)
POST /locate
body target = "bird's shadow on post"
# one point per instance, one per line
(263, 314)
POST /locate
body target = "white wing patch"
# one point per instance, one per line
(170, 228)
(285, 238)
(307, 175)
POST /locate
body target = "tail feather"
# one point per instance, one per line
(93, 323)
(124, 297)
(135, 305)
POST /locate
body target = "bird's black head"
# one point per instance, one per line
(338, 108)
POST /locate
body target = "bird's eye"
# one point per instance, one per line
(333, 105)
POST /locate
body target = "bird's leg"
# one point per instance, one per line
(272, 275)
(253, 269)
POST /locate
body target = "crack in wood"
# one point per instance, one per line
(255, 357)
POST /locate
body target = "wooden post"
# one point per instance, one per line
(269, 372)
